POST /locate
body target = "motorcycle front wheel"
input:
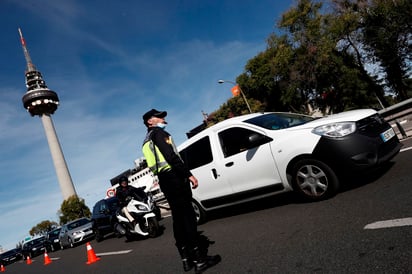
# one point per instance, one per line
(153, 227)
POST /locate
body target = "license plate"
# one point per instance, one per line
(387, 134)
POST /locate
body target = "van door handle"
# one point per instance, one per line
(214, 172)
(229, 164)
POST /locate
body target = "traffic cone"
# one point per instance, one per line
(28, 260)
(46, 258)
(2, 268)
(91, 256)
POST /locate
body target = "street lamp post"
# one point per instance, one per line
(241, 92)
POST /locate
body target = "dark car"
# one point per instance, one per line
(34, 247)
(52, 240)
(11, 256)
(104, 217)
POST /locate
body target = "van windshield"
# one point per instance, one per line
(279, 120)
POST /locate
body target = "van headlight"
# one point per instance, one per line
(335, 130)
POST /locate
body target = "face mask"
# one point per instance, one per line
(161, 125)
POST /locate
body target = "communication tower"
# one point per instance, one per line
(43, 102)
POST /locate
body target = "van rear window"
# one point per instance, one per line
(197, 154)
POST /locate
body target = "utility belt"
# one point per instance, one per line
(169, 173)
(164, 169)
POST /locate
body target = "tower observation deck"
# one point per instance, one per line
(38, 98)
(41, 101)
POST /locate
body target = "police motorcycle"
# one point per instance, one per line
(146, 213)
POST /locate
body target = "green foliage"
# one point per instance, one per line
(387, 33)
(379, 32)
(73, 208)
(42, 228)
(322, 60)
(235, 106)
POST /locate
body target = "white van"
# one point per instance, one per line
(262, 154)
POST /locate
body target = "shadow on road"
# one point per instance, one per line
(257, 205)
(355, 181)
(348, 183)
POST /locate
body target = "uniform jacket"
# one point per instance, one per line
(164, 142)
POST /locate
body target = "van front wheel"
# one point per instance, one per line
(314, 180)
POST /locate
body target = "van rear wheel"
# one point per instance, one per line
(199, 212)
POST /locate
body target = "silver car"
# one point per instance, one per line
(75, 232)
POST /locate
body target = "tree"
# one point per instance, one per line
(346, 23)
(322, 75)
(234, 106)
(42, 228)
(378, 33)
(321, 61)
(312, 65)
(267, 74)
(388, 35)
(73, 208)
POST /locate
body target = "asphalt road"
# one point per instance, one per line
(278, 235)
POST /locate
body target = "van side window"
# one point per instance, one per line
(197, 154)
(236, 140)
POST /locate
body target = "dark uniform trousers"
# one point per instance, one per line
(178, 193)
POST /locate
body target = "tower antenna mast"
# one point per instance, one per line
(30, 65)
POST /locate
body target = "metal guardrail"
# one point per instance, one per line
(400, 117)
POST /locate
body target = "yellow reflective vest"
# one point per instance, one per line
(154, 158)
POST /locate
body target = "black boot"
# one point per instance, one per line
(202, 261)
(186, 260)
(187, 264)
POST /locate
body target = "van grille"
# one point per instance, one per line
(372, 125)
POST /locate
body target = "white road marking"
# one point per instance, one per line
(405, 149)
(114, 253)
(390, 223)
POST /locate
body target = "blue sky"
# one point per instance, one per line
(109, 62)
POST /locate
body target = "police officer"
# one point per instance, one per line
(175, 180)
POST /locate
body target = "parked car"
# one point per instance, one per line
(11, 256)
(262, 154)
(104, 217)
(75, 232)
(52, 240)
(34, 247)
